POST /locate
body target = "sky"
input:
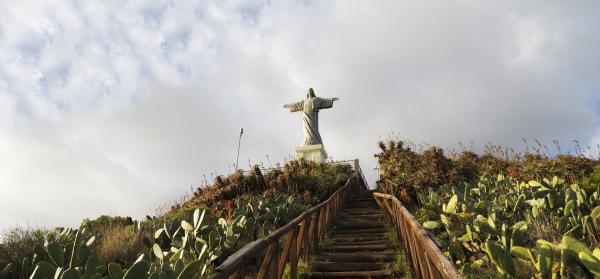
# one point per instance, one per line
(119, 107)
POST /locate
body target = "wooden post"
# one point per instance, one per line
(327, 218)
(274, 264)
(307, 236)
(266, 264)
(315, 230)
(301, 239)
(289, 242)
(235, 275)
(294, 258)
(321, 224)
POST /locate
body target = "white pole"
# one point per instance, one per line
(238, 151)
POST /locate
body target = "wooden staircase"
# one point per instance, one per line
(357, 246)
(348, 238)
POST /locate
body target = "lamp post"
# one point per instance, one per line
(238, 151)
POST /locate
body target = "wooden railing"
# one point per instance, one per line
(425, 258)
(288, 243)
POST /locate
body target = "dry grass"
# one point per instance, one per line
(309, 181)
(542, 227)
(119, 244)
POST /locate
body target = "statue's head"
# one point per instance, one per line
(310, 93)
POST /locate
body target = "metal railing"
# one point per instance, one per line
(298, 237)
(358, 169)
(425, 258)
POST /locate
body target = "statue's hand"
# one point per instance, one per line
(335, 99)
(285, 106)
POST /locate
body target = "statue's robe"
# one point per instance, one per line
(310, 116)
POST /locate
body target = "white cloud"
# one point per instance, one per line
(116, 107)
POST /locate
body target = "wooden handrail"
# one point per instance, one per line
(300, 236)
(425, 258)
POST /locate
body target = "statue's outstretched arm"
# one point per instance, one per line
(298, 106)
(326, 102)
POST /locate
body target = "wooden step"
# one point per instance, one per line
(353, 239)
(358, 231)
(355, 257)
(354, 248)
(364, 242)
(363, 202)
(357, 247)
(358, 225)
(348, 240)
(353, 274)
(362, 215)
(343, 221)
(359, 218)
(346, 266)
(362, 198)
(363, 207)
(361, 210)
(370, 212)
(354, 222)
(358, 237)
(356, 216)
(369, 201)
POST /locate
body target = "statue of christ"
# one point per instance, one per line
(310, 115)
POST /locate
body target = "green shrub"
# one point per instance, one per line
(404, 171)
(18, 243)
(297, 177)
(592, 183)
(184, 213)
(104, 221)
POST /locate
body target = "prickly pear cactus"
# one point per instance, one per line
(504, 263)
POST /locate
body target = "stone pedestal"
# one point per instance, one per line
(314, 153)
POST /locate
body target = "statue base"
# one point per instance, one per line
(315, 153)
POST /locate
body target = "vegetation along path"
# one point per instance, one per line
(358, 246)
